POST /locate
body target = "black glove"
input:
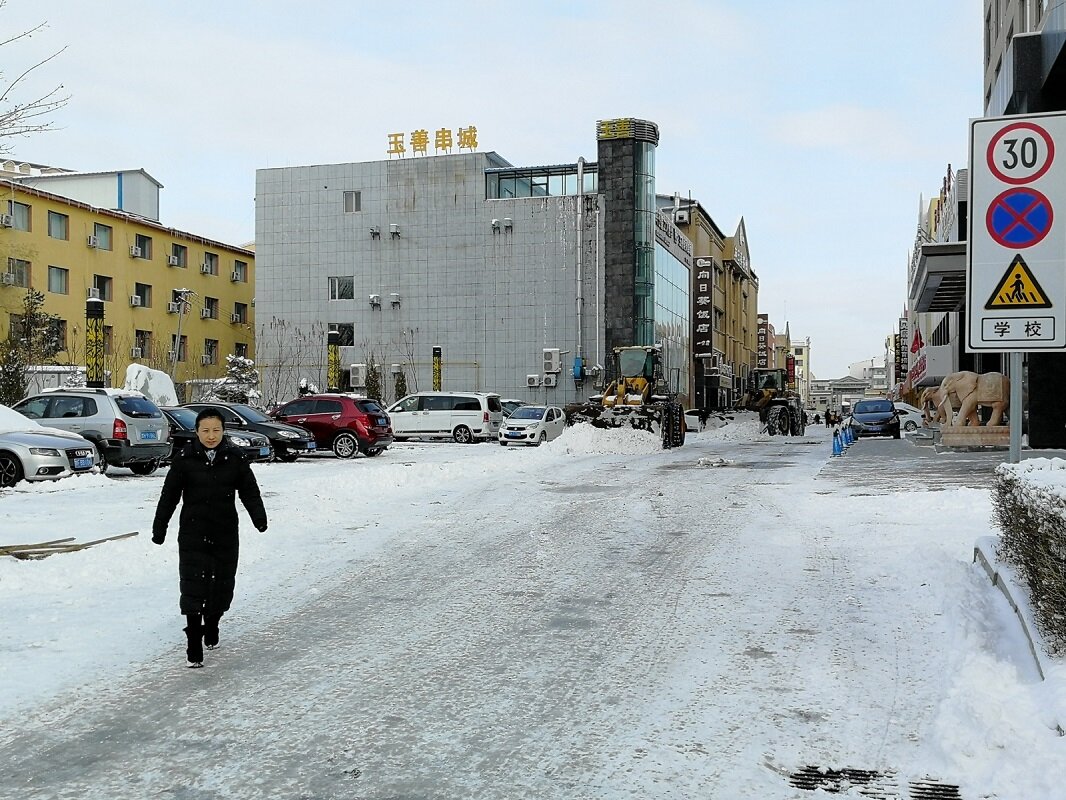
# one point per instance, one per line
(158, 537)
(261, 527)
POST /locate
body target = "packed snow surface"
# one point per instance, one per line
(593, 618)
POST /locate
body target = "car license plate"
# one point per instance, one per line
(264, 451)
(83, 463)
(383, 422)
(149, 435)
(513, 434)
(311, 445)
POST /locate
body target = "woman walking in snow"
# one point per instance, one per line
(205, 476)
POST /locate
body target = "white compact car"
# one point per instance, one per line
(910, 418)
(532, 425)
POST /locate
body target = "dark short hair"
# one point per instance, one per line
(210, 413)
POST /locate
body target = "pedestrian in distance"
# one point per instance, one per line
(205, 477)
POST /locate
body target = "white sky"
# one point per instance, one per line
(820, 123)
(583, 619)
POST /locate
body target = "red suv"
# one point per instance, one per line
(343, 422)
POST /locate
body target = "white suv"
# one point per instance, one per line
(127, 428)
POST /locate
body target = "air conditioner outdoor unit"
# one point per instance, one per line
(394, 230)
(532, 380)
(135, 300)
(92, 293)
(235, 318)
(173, 308)
(358, 375)
(552, 360)
(135, 352)
(235, 276)
(375, 299)
(173, 261)
(205, 269)
(205, 360)
(7, 220)
(7, 278)
(551, 379)
(205, 313)
(135, 251)
(681, 217)
(171, 355)
(91, 241)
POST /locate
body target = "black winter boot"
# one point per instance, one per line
(195, 633)
(211, 630)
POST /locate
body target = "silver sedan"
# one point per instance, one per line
(43, 455)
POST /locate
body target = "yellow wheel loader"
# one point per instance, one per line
(638, 398)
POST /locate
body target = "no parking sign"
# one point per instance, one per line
(1016, 252)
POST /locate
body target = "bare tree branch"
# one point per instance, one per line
(22, 119)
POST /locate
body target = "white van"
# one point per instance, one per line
(462, 416)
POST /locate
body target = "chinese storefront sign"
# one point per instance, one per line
(702, 309)
(443, 141)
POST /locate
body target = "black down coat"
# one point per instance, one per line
(207, 532)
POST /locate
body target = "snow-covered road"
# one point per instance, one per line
(566, 622)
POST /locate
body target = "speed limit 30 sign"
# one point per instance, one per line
(1016, 251)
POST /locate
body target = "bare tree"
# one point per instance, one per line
(30, 116)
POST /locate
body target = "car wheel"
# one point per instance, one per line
(144, 467)
(10, 470)
(503, 443)
(542, 438)
(895, 435)
(910, 425)
(345, 445)
(288, 456)
(462, 435)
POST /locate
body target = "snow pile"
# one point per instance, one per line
(153, 384)
(14, 421)
(589, 440)
(736, 430)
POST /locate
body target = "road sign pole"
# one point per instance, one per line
(1016, 412)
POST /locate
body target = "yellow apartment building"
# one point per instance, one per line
(173, 301)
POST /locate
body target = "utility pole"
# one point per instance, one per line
(183, 301)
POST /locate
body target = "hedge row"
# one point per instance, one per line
(1029, 507)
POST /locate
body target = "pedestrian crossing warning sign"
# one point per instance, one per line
(1018, 288)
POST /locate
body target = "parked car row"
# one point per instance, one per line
(121, 428)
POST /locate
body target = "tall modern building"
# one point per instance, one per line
(465, 269)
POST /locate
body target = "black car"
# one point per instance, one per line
(289, 441)
(875, 418)
(253, 446)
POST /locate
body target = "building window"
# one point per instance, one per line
(58, 225)
(144, 291)
(109, 340)
(16, 326)
(143, 340)
(352, 202)
(211, 307)
(58, 330)
(347, 332)
(20, 215)
(21, 270)
(240, 311)
(102, 284)
(210, 265)
(58, 280)
(240, 271)
(179, 256)
(179, 345)
(144, 245)
(240, 349)
(211, 351)
(103, 236)
(342, 288)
